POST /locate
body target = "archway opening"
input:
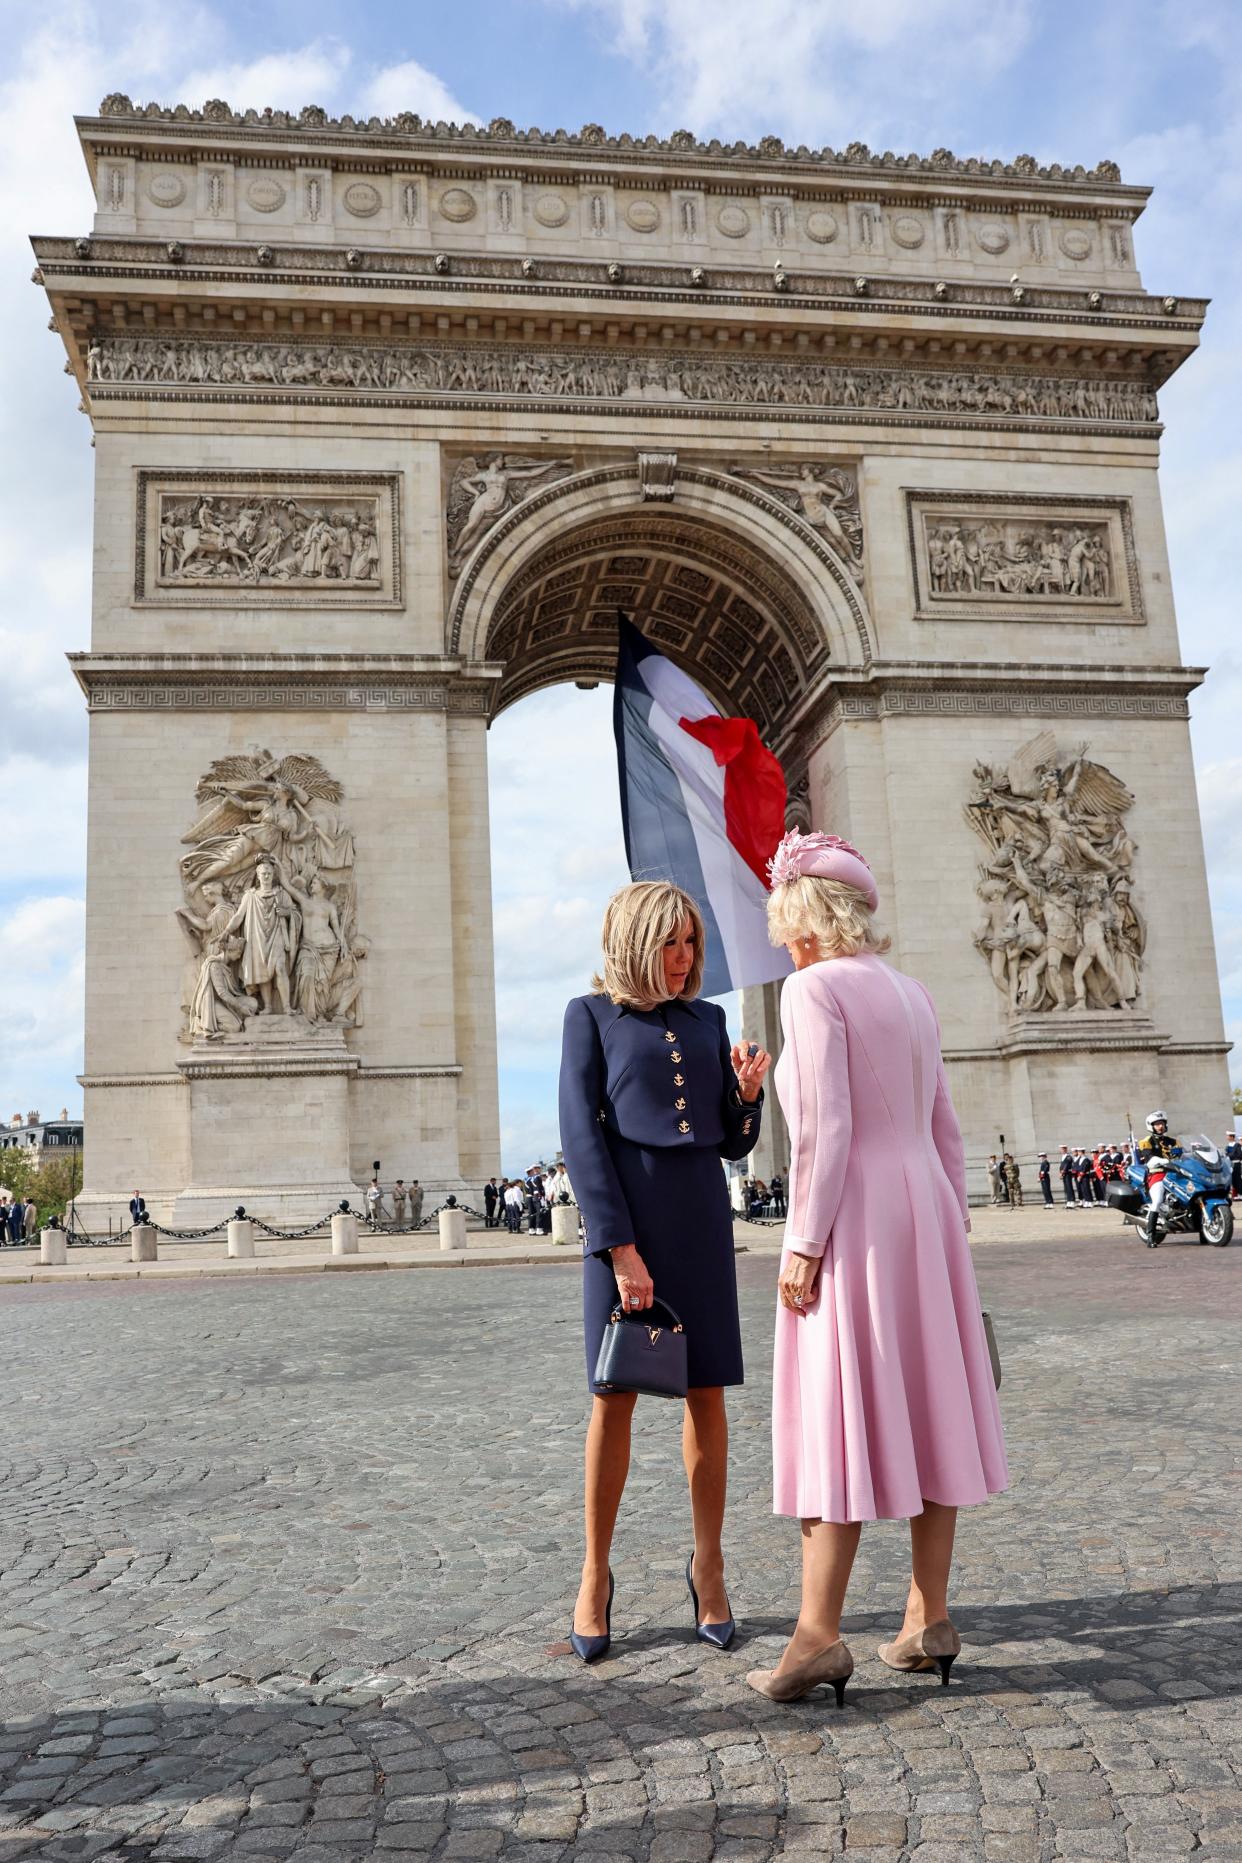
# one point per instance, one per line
(728, 615)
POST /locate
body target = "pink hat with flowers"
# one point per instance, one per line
(823, 857)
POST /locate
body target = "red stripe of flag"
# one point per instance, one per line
(754, 786)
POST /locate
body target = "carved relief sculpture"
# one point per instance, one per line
(1025, 557)
(825, 496)
(611, 375)
(253, 537)
(265, 541)
(479, 494)
(1017, 556)
(269, 901)
(1059, 927)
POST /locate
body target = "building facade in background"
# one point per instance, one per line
(391, 418)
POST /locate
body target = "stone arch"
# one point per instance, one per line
(727, 579)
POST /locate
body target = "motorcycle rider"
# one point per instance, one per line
(1154, 1150)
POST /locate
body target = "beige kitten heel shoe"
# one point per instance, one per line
(936, 1647)
(834, 1664)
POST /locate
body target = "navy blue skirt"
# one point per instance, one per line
(683, 1229)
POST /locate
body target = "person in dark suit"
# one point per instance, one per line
(777, 1190)
(652, 1097)
(137, 1209)
(490, 1194)
(17, 1216)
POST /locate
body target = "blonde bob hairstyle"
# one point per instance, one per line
(639, 920)
(829, 911)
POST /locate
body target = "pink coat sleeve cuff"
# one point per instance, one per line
(798, 1245)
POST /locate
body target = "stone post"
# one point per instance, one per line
(142, 1243)
(452, 1228)
(344, 1233)
(565, 1223)
(53, 1248)
(241, 1239)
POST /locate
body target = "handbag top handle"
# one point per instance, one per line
(619, 1313)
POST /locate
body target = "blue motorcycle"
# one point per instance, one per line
(1196, 1196)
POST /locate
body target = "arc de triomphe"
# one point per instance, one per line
(390, 419)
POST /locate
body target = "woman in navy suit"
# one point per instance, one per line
(652, 1097)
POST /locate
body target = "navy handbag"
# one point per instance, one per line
(638, 1354)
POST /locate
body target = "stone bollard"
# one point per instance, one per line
(142, 1243)
(565, 1223)
(53, 1248)
(344, 1233)
(452, 1228)
(241, 1239)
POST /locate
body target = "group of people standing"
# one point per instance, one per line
(517, 1203)
(1085, 1176)
(19, 1221)
(407, 1204)
(884, 1398)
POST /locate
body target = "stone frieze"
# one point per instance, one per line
(666, 378)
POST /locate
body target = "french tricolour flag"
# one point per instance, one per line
(703, 805)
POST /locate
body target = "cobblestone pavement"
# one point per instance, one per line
(285, 1567)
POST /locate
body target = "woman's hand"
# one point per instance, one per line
(799, 1282)
(634, 1284)
(750, 1068)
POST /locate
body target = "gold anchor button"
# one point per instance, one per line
(684, 1126)
(675, 1056)
(679, 1080)
(669, 1035)
(680, 1105)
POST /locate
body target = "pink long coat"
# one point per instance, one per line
(883, 1394)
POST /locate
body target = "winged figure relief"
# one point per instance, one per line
(480, 493)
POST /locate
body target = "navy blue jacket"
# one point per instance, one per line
(658, 1078)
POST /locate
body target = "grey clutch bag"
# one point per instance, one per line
(993, 1350)
(637, 1354)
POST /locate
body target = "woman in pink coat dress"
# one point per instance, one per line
(884, 1405)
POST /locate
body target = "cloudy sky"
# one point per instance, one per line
(1158, 87)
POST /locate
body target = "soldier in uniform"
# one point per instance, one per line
(1045, 1179)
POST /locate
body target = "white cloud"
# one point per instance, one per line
(814, 72)
(283, 80)
(41, 991)
(410, 86)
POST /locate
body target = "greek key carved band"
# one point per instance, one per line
(325, 697)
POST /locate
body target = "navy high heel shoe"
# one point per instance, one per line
(718, 1635)
(590, 1649)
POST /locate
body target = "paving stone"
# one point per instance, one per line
(253, 1676)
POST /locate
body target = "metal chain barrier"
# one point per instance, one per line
(291, 1235)
(187, 1235)
(77, 1237)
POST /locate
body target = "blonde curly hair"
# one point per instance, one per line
(834, 914)
(639, 920)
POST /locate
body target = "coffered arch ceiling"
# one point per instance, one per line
(718, 574)
(718, 607)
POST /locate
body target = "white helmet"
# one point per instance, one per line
(1156, 1119)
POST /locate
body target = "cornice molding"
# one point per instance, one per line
(312, 126)
(283, 682)
(111, 259)
(927, 689)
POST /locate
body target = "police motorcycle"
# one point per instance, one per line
(1168, 1188)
